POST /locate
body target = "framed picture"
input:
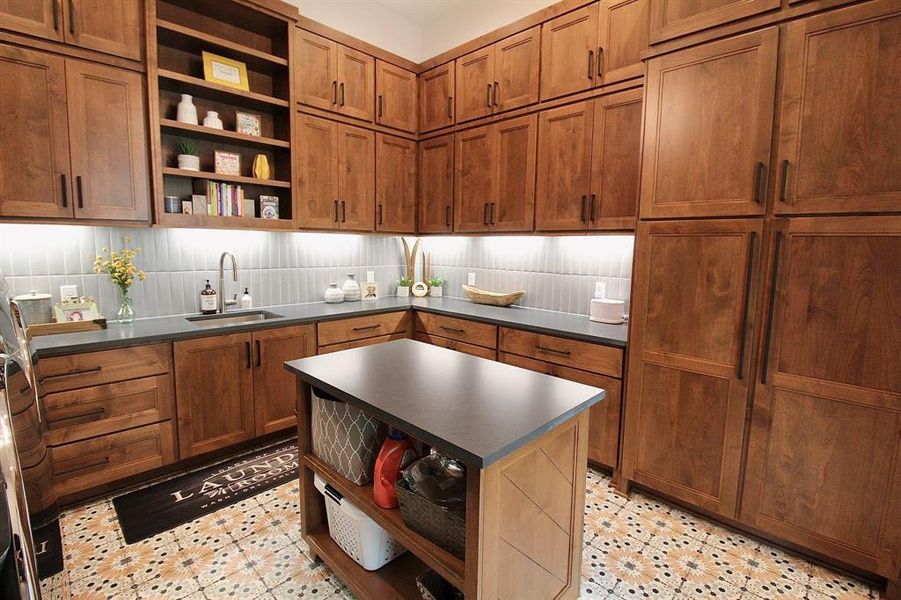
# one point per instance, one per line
(225, 71)
(248, 124)
(227, 163)
(269, 207)
(370, 290)
(187, 207)
(76, 309)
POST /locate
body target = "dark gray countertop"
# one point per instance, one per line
(165, 329)
(475, 409)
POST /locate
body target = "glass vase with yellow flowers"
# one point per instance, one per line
(120, 266)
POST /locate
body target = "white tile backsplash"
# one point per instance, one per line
(558, 273)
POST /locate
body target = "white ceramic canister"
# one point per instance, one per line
(334, 294)
(351, 289)
(186, 112)
(36, 308)
(212, 120)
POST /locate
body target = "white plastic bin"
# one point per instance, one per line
(358, 535)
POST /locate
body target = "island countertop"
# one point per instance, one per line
(475, 409)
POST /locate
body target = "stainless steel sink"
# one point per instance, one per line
(232, 318)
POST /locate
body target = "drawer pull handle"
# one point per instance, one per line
(94, 413)
(99, 463)
(552, 350)
(367, 327)
(453, 329)
(749, 275)
(74, 373)
(259, 349)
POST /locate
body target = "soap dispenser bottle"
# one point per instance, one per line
(246, 300)
(208, 300)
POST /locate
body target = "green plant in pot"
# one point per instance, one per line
(403, 286)
(436, 286)
(187, 156)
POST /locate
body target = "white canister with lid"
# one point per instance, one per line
(36, 307)
(604, 310)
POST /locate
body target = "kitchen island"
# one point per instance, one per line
(522, 436)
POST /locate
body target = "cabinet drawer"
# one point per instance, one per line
(361, 343)
(480, 334)
(489, 353)
(74, 371)
(89, 463)
(571, 353)
(87, 412)
(347, 330)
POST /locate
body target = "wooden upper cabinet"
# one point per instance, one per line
(688, 383)
(513, 201)
(675, 18)
(564, 167)
(622, 37)
(824, 465)
(436, 97)
(110, 27)
(108, 137)
(838, 152)
(213, 392)
(356, 177)
(395, 184)
(41, 18)
(34, 155)
(516, 66)
(317, 68)
(274, 388)
(707, 128)
(615, 161)
(395, 90)
(473, 179)
(436, 185)
(568, 52)
(316, 163)
(356, 84)
(475, 84)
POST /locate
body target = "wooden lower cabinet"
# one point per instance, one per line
(274, 388)
(451, 344)
(358, 328)
(379, 339)
(464, 330)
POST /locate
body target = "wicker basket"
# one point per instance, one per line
(432, 521)
(433, 587)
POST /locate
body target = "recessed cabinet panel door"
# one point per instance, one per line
(615, 161)
(436, 98)
(317, 165)
(317, 68)
(708, 125)
(568, 52)
(34, 153)
(436, 185)
(824, 455)
(517, 59)
(395, 97)
(275, 388)
(475, 84)
(474, 179)
(395, 183)
(695, 293)
(356, 83)
(674, 18)
(42, 18)
(356, 177)
(622, 37)
(514, 201)
(839, 148)
(108, 136)
(564, 167)
(111, 27)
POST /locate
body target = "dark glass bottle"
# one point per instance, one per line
(208, 300)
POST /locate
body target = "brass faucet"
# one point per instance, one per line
(223, 303)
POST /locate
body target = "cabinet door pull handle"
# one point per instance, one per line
(74, 373)
(381, 105)
(496, 85)
(72, 17)
(488, 97)
(584, 207)
(592, 212)
(65, 187)
(485, 215)
(491, 213)
(759, 181)
(447, 216)
(335, 92)
(336, 211)
(541, 348)
(342, 93)
(771, 309)
(600, 61)
(367, 327)
(783, 181)
(259, 353)
(99, 463)
(94, 413)
(80, 191)
(591, 64)
(343, 211)
(749, 274)
(450, 107)
(247, 354)
(453, 329)
(380, 214)
(55, 15)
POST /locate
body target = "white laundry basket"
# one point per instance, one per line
(358, 535)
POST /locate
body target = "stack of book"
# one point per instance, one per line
(222, 199)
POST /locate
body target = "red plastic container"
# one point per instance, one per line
(391, 459)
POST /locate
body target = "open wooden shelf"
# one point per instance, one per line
(222, 135)
(214, 91)
(219, 222)
(446, 564)
(174, 172)
(173, 34)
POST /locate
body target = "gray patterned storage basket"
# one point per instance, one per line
(345, 437)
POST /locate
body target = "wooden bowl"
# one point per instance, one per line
(493, 298)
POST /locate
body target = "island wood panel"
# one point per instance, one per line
(480, 334)
(436, 97)
(395, 184)
(688, 385)
(356, 83)
(41, 18)
(436, 185)
(563, 351)
(360, 343)
(214, 392)
(622, 37)
(356, 177)
(274, 388)
(838, 152)
(691, 164)
(675, 18)
(615, 161)
(475, 83)
(515, 148)
(516, 65)
(568, 52)
(824, 455)
(396, 101)
(316, 163)
(474, 174)
(357, 328)
(34, 155)
(452, 344)
(110, 27)
(108, 137)
(72, 371)
(316, 58)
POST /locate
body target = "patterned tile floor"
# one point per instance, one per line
(635, 548)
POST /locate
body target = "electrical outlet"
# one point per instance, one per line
(68, 291)
(600, 289)
(471, 279)
(370, 276)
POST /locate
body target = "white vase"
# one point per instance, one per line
(188, 162)
(334, 294)
(187, 112)
(351, 289)
(436, 291)
(403, 291)
(212, 120)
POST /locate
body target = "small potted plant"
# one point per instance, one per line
(187, 156)
(436, 286)
(403, 286)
